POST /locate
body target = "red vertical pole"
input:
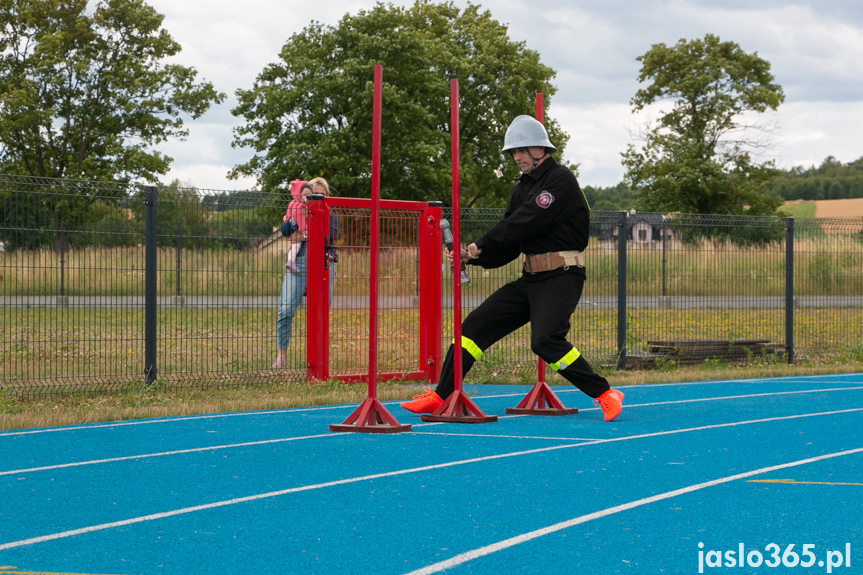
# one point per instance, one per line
(457, 408)
(456, 234)
(540, 115)
(374, 226)
(371, 416)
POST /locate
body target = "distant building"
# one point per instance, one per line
(643, 231)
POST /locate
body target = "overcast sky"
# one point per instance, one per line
(815, 49)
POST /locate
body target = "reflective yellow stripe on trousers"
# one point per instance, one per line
(566, 360)
(471, 347)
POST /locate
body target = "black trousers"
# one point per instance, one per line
(547, 303)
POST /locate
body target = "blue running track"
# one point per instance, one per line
(746, 476)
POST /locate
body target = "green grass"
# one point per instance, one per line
(798, 210)
(46, 350)
(142, 402)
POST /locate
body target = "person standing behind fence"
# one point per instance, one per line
(547, 219)
(296, 213)
(294, 281)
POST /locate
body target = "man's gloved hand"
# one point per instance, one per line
(289, 226)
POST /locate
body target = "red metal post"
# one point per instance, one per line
(540, 108)
(371, 416)
(456, 232)
(540, 115)
(374, 228)
(457, 408)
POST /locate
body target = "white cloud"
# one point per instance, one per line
(813, 48)
(812, 54)
(206, 177)
(597, 135)
(811, 131)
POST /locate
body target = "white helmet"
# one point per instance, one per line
(526, 132)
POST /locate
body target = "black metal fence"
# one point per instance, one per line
(106, 286)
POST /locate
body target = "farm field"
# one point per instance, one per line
(852, 208)
(839, 208)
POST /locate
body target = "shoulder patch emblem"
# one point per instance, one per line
(544, 200)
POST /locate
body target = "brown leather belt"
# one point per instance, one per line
(535, 263)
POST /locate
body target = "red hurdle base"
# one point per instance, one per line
(541, 400)
(458, 408)
(370, 417)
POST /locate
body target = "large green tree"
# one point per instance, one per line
(701, 156)
(87, 93)
(310, 114)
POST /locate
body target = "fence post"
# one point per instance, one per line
(178, 248)
(62, 247)
(664, 258)
(150, 285)
(789, 289)
(621, 290)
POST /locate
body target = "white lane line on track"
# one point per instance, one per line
(494, 436)
(162, 454)
(751, 395)
(320, 436)
(163, 420)
(856, 380)
(271, 494)
(176, 419)
(529, 536)
(765, 394)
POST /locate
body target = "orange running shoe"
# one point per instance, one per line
(426, 402)
(611, 403)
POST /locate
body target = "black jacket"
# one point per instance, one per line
(546, 212)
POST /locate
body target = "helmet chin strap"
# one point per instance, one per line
(536, 161)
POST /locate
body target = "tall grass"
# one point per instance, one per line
(826, 265)
(218, 272)
(140, 402)
(89, 348)
(80, 350)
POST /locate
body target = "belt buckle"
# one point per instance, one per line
(529, 265)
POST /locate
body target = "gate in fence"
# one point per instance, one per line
(409, 289)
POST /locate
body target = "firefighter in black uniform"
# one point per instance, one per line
(547, 219)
